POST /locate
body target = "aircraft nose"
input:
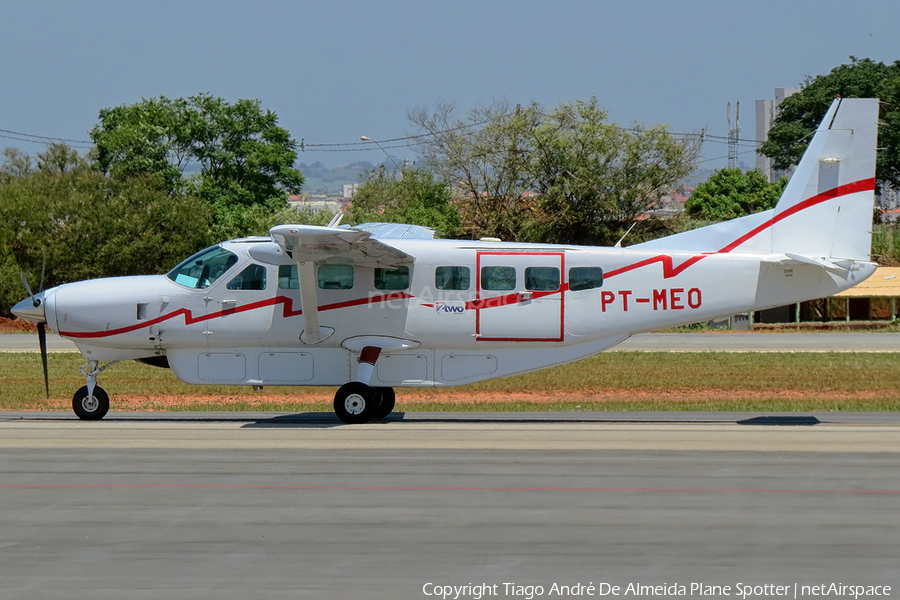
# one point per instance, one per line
(31, 309)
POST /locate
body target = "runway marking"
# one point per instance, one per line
(392, 488)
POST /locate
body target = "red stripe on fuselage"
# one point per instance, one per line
(670, 270)
(190, 319)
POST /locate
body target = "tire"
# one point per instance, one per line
(90, 409)
(356, 403)
(388, 399)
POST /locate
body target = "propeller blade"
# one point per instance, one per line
(43, 269)
(42, 340)
(25, 283)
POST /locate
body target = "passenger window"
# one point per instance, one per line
(251, 278)
(498, 278)
(451, 278)
(287, 278)
(585, 278)
(392, 279)
(335, 277)
(542, 279)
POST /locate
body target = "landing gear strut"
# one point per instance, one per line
(91, 402)
(356, 402)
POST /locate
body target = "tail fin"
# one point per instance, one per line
(826, 209)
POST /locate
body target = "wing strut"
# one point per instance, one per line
(309, 300)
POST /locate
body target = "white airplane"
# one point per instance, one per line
(378, 306)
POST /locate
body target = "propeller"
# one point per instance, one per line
(36, 300)
(42, 341)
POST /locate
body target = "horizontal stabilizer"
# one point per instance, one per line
(790, 259)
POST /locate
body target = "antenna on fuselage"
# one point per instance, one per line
(336, 220)
(619, 243)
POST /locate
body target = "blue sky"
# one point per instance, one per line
(336, 70)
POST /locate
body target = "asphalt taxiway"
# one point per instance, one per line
(263, 505)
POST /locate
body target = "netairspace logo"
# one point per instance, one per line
(477, 591)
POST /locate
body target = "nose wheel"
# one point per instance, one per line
(90, 407)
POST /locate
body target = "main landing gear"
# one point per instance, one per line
(356, 402)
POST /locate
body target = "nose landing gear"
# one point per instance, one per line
(91, 402)
(90, 406)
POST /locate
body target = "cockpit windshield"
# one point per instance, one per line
(202, 269)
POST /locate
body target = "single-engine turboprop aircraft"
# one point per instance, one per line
(378, 306)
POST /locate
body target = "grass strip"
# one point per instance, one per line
(753, 381)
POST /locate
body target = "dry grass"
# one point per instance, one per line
(614, 381)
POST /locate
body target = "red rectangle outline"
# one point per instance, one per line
(563, 286)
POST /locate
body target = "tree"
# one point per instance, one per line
(594, 177)
(60, 158)
(565, 175)
(800, 114)
(414, 197)
(245, 158)
(89, 225)
(731, 193)
(484, 157)
(15, 164)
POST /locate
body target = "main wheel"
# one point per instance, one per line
(388, 399)
(93, 408)
(356, 402)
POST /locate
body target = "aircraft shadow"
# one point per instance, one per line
(323, 420)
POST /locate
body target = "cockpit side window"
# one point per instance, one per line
(251, 278)
(202, 269)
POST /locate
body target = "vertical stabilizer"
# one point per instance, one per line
(826, 209)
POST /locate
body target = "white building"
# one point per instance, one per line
(766, 112)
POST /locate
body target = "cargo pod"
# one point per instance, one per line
(519, 296)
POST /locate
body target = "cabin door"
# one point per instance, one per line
(520, 296)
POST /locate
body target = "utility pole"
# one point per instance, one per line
(734, 133)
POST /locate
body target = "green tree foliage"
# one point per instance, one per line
(89, 225)
(245, 158)
(594, 177)
(565, 175)
(15, 164)
(800, 114)
(411, 196)
(731, 193)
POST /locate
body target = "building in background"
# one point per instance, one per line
(766, 112)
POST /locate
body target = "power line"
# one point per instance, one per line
(43, 137)
(722, 157)
(303, 145)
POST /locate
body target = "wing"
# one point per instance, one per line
(334, 244)
(310, 245)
